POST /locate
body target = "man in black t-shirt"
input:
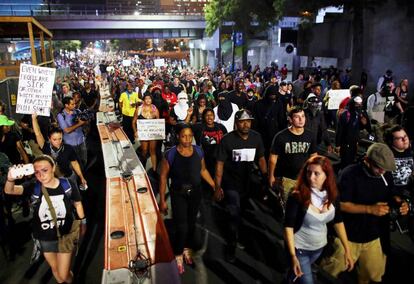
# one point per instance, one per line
(366, 198)
(290, 149)
(176, 86)
(236, 153)
(398, 141)
(238, 96)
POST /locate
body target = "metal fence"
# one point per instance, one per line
(18, 9)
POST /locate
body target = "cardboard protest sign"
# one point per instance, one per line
(159, 62)
(126, 62)
(35, 89)
(151, 129)
(336, 97)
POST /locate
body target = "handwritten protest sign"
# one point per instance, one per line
(126, 62)
(151, 129)
(159, 62)
(35, 89)
(336, 97)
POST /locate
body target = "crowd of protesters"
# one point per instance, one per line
(241, 120)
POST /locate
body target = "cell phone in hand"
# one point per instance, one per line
(25, 170)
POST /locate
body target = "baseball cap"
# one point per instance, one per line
(382, 156)
(5, 121)
(243, 114)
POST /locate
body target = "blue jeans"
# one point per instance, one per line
(306, 258)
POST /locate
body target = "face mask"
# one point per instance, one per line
(315, 107)
(182, 103)
(358, 109)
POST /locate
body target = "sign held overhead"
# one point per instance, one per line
(35, 89)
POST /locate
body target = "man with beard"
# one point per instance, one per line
(238, 96)
(251, 100)
(236, 153)
(270, 116)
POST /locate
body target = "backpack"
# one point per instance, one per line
(64, 182)
(172, 153)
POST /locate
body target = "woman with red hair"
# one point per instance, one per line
(312, 204)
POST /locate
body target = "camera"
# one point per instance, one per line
(394, 209)
(84, 115)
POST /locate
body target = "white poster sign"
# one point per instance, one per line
(336, 97)
(34, 93)
(159, 62)
(151, 129)
(126, 62)
(97, 70)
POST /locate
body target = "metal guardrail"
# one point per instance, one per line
(18, 9)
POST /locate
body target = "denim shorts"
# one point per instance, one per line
(49, 246)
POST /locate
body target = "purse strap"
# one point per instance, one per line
(51, 209)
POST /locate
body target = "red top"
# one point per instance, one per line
(170, 98)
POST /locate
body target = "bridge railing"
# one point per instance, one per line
(18, 9)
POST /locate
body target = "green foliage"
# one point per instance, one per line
(69, 45)
(170, 44)
(314, 5)
(113, 45)
(133, 44)
(243, 13)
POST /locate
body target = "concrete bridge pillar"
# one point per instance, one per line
(197, 58)
(192, 57)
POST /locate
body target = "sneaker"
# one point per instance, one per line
(180, 263)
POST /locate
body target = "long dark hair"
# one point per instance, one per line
(302, 191)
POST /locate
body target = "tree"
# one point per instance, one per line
(69, 45)
(355, 8)
(170, 44)
(247, 17)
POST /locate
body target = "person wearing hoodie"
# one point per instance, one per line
(270, 116)
(225, 110)
(315, 120)
(182, 110)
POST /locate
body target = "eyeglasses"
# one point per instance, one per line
(402, 138)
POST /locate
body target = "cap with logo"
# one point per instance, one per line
(5, 121)
(243, 114)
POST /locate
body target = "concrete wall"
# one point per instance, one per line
(388, 43)
(203, 51)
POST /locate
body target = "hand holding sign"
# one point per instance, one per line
(35, 89)
(151, 129)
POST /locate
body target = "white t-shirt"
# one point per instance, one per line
(229, 123)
